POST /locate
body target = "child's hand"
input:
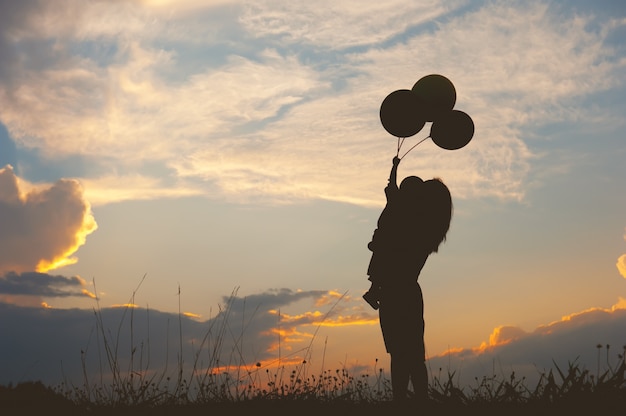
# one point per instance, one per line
(396, 161)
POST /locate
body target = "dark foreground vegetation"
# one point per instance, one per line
(570, 391)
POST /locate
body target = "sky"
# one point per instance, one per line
(202, 162)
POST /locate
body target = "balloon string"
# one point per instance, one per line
(414, 146)
(400, 142)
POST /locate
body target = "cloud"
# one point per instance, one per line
(572, 339)
(503, 335)
(275, 107)
(338, 25)
(621, 263)
(275, 313)
(43, 228)
(245, 330)
(339, 130)
(507, 92)
(279, 327)
(12, 18)
(29, 288)
(117, 188)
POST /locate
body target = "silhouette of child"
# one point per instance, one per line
(389, 232)
(413, 224)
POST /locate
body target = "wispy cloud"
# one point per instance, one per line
(43, 228)
(338, 25)
(268, 122)
(132, 187)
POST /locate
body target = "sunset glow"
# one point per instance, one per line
(88, 226)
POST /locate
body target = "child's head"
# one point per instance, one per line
(410, 190)
(411, 184)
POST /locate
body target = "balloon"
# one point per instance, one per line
(452, 130)
(401, 113)
(437, 94)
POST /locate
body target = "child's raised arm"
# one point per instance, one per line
(393, 177)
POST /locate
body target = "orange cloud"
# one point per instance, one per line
(317, 318)
(331, 297)
(89, 294)
(502, 335)
(621, 265)
(350, 320)
(585, 316)
(286, 338)
(303, 317)
(621, 304)
(41, 228)
(507, 334)
(621, 262)
(125, 305)
(296, 331)
(192, 315)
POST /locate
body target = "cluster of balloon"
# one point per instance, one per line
(403, 113)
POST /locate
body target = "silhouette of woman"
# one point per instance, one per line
(421, 219)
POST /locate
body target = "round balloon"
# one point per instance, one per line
(437, 94)
(401, 113)
(452, 130)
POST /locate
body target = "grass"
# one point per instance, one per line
(238, 388)
(560, 391)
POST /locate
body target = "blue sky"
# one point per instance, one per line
(218, 145)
